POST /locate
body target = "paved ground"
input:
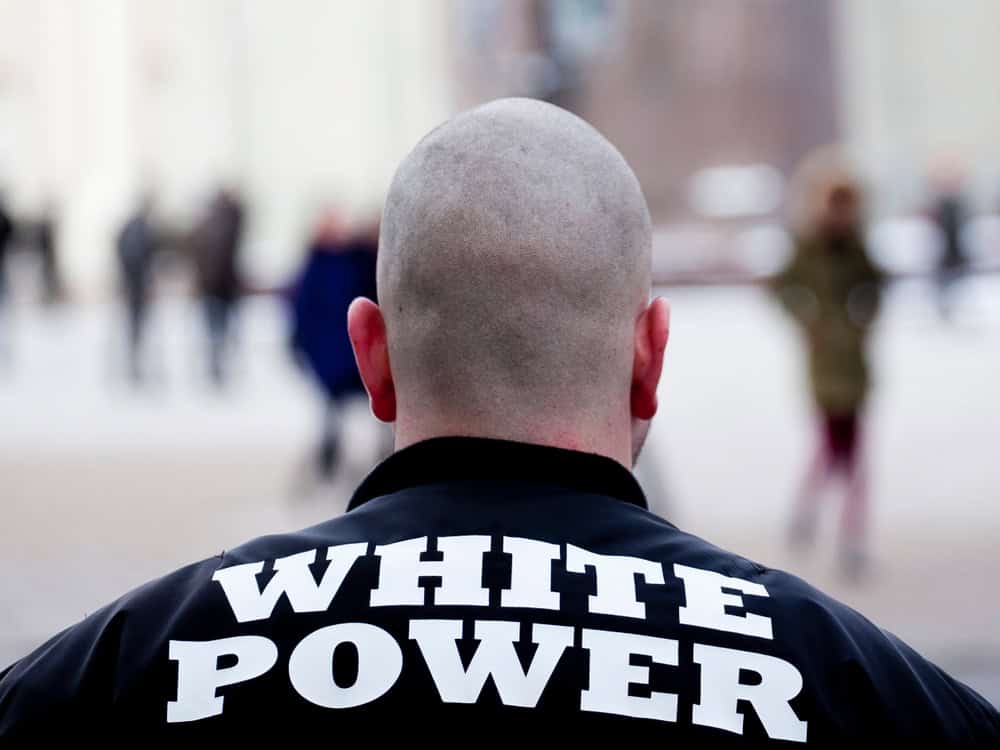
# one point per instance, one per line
(102, 488)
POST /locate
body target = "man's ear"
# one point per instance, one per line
(652, 330)
(366, 327)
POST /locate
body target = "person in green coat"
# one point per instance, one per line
(831, 290)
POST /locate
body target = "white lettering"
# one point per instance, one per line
(461, 572)
(310, 667)
(530, 574)
(199, 676)
(706, 602)
(721, 689)
(494, 656)
(292, 577)
(616, 588)
(611, 673)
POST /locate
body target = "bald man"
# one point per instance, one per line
(498, 578)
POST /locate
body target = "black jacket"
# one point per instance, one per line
(480, 590)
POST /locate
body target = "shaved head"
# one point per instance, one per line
(514, 263)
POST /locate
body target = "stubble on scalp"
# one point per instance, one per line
(514, 258)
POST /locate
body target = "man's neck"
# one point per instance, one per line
(611, 443)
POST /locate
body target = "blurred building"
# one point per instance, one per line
(685, 87)
(300, 102)
(294, 103)
(918, 83)
(679, 86)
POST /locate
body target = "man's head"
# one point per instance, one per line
(513, 280)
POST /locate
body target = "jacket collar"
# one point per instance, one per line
(447, 459)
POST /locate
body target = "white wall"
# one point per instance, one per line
(920, 80)
(296, 102)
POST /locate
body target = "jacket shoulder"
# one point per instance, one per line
(862, 679)
(76, 677)
(866, 678)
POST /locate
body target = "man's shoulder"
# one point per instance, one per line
(794, 604)
(859, 673)
(102, 663)
(70, 675)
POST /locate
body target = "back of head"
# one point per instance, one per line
(514, 259)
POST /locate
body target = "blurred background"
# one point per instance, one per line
(189, 196)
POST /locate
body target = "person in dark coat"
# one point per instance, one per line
(53, 291)
(949, 212)
(216, 244)
(338, 268)
(136, 251)
(831, 290)
(6, 235)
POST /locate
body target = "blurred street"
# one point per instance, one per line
(103, 487)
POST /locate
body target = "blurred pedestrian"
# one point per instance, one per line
(45, 246)
(6, 234)
(137, 248)
(949, 213)
(216, 245)
(831, 289)
(339, 266)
